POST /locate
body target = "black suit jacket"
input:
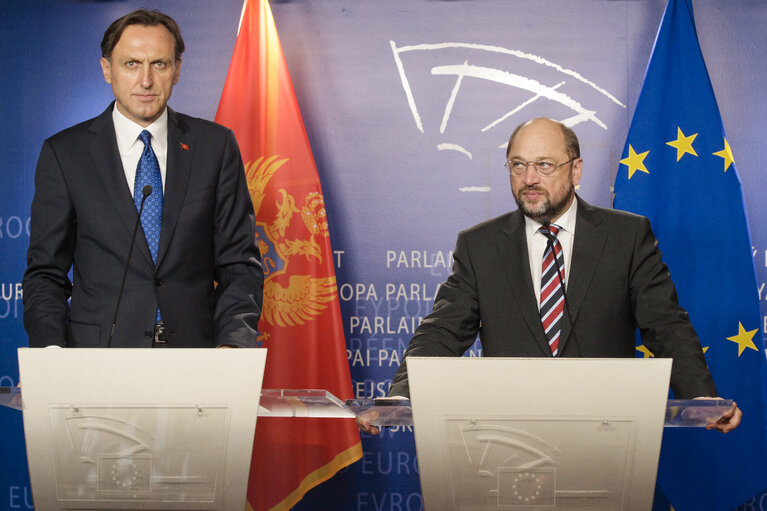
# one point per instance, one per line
(617, 283)
(83, 216)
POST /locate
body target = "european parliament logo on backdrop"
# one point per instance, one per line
(532, 85)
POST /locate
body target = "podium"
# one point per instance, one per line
(530, 434)
(526, 434)
(140, 428)
(492, 433)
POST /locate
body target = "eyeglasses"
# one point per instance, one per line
(542, 167)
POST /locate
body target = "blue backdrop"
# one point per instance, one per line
(408, 104)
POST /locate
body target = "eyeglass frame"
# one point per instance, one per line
(535, 166)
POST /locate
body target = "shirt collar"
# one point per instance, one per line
(127, 131)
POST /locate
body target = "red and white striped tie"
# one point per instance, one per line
(552, 292)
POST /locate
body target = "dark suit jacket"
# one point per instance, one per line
(83, 217)
(617, 283)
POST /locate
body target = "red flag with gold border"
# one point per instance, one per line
(301, 320)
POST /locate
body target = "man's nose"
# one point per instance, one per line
(530, 176)
(146, 76)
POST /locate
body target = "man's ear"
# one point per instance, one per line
(106, 68)
(178, 71)
(577, 168)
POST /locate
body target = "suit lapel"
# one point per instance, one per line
(178, 172)
(106, 156)
(512, 248)
(588, 244)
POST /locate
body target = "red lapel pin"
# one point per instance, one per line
(184, 146)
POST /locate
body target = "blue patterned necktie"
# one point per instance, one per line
(552, 294)
(148, 173)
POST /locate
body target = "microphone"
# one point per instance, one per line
(145, 192)
(546, 224)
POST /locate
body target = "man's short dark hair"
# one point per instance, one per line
(145, 18)
(572, 146)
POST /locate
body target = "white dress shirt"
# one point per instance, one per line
(130, 147)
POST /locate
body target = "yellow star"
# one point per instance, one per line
(635, 161)
(726, 154)
(744, 339)
(646, 352)
(683, 144)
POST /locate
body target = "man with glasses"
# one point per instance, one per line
(510, 275)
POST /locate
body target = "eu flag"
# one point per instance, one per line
(678, 169)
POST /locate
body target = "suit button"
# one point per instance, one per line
(158, 282)
(148, 333)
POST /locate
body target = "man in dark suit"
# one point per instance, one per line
(505, 288)
(195, 277)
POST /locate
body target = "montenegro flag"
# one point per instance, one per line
(301, 321)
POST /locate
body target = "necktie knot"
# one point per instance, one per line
(551, 232)
(146, 137)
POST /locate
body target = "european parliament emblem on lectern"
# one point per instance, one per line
(529, 434)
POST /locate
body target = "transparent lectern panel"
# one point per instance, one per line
(572, 463)
(695, 413)
(382, 412)
(301, 403)
(10, 397)
(154, 456)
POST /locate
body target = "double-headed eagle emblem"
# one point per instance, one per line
(290, 298)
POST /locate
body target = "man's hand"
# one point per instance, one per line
(385, 409)
(728, 421)
(363, 421)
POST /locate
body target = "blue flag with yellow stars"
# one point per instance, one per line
(678, 169)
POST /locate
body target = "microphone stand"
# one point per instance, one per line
(146, 192)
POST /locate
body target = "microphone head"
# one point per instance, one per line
(146, 191)
(546, 222)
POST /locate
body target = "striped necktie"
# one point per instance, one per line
(552, 292)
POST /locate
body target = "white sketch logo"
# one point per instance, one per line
(533, 78)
